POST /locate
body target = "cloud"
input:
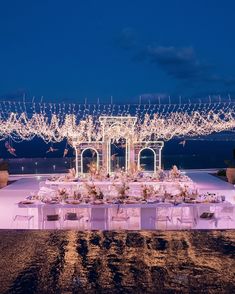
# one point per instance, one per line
(179, 63)
(182, 64)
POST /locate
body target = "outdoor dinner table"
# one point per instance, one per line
(111, 182)
(36, 204)
(146, 211)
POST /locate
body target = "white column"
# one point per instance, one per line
(76, 161)
(131, 156)
(160, 155)
(108, 159)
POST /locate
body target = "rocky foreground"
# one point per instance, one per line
(117, 262)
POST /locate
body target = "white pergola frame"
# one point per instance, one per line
(115, 128)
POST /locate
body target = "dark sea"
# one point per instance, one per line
(32, 157)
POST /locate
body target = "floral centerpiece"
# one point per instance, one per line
(46, 194)
(147, 191)
(62, 194)
(92, 168)
(122, 191)
(161, 175)
(174, 172)
(77, 195)
(184, 191)
(100, 173)
(94, 191)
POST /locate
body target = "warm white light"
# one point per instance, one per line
(149, 124)
(85, 126)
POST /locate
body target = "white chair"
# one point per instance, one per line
(51, 221)
(225, 216)
(163, 217)
(227, 212)
(119, 218)
(24, 221)
(23, 218)
(99, 219)
(72, 219)
(187, 218)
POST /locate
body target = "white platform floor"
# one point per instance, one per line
(138, 218)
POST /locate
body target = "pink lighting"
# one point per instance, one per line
(117, 216)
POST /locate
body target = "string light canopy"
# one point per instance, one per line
(54, 122)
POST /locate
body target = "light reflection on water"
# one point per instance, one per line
(117, 262)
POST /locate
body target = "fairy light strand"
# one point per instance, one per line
(80, 122)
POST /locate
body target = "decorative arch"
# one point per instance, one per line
(121, 149)
(117, 130)
(152, 162)
(82, 158)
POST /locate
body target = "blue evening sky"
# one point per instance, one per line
(69, 50)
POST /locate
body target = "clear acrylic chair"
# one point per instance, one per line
(72, 218)
(51, 221)
(119, 218)
(99, 218)
(225, 216)
(23, 221)
(162, 218)
(187, 218)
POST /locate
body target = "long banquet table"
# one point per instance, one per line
(107, 183)
(135, 187)
(140, 215)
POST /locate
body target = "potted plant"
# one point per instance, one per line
(4, 175)
(230, 171)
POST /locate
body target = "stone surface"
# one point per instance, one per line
(117, 262)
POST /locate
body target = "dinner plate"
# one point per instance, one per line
(27, 202)
(131, 202)
(98, 202)
(73, 202)
(152, 201)
(53, 202)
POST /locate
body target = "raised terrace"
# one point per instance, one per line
(19, 211)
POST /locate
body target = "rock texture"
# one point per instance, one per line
(117, 262)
